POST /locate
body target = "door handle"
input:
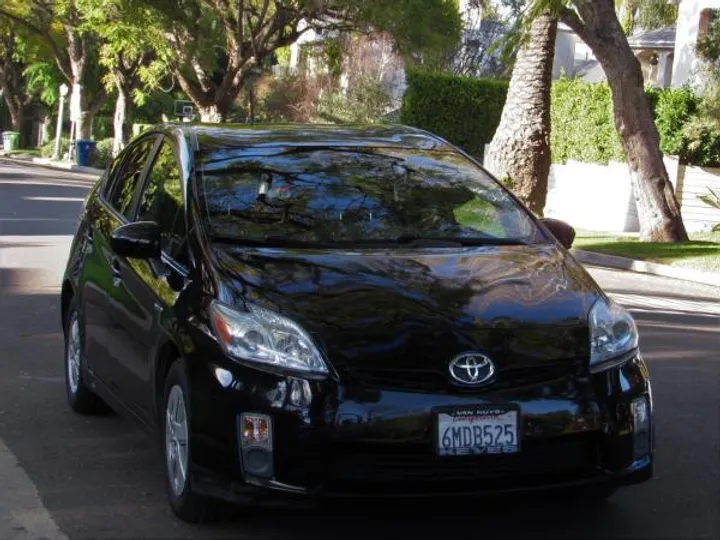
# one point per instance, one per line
(116, 272)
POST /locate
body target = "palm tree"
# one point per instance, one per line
(519, 153)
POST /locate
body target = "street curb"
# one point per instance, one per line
(45, 162)
(622, 263)
(57, 166)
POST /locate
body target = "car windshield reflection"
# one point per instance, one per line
(331, 196)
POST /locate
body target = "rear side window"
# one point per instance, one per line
(162, 202)
(126, 176)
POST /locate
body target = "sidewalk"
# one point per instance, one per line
(50, 164)
(644, 267)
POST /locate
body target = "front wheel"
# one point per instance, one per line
(186, 504)
(80, 398)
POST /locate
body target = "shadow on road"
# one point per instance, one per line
(30, 208)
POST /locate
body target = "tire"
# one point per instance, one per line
(81, 399)
(186, 504)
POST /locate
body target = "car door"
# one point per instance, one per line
(150, 287)
(101, 289)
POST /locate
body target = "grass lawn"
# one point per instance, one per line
(701, 253)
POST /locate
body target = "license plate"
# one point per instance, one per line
(478, 430)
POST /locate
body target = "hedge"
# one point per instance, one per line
(463, 110)
(583, 128)
(467, 111)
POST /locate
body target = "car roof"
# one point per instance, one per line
(209, 136)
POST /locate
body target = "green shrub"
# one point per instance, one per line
(672, 109)
(701, 143)
(47, 149)
(463, 110)
(365, 102)
(102, 155)
(583, 127)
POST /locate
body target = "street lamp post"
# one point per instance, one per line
(58, 131)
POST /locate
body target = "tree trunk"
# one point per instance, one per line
(658, 209)
(211, 114)
(17, 112)
(519, 153)
(120, 125)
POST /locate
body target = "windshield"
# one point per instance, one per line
(348, 195)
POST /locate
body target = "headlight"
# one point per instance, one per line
(612, 333)
(263, 336)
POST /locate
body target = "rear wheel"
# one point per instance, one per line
(80, 398)
(185, 503)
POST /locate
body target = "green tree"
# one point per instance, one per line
(13, 62)
(58, 23)
(645, 14)
(213, 45)
(126, 44)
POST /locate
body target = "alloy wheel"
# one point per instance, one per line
(176, 439)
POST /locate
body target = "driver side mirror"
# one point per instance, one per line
(564, 233)
(139, 240)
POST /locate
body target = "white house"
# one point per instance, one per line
(694, 17)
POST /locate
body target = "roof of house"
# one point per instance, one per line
(662, 38)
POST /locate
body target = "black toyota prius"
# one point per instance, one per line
(327, 311)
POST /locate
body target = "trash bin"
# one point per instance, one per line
(83, 150)
(11, 140)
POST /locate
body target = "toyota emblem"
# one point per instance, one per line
(471, 368)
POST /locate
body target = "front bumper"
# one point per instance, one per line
(330, 439)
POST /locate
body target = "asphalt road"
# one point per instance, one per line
(100, 478)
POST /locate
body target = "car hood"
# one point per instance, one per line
(381, 311)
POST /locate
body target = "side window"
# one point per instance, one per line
(162, 202)
(127, 176)
(111, 173)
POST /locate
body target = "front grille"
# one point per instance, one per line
(435, 380)
(406, 468)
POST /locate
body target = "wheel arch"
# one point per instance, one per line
(66, 296)
(168, 353)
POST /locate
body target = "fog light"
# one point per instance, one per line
(255, 431)
(256, 445)
(258, 463)
(641, 427)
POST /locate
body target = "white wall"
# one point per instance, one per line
(599, 197)
(685, 63)
(592, 197)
